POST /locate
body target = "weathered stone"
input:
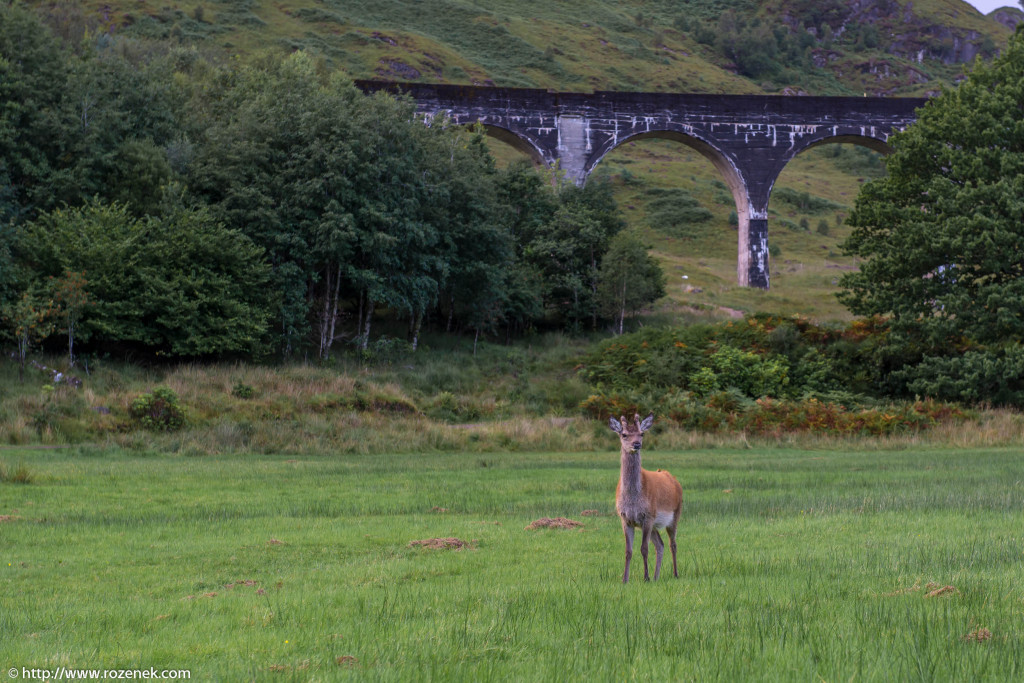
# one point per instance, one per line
(748, 138)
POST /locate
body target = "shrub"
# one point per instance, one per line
(243, 391)
(159, 410)
(731, 410)
(675, 212)
(805, 201)
(996, 376)
(752, 374)
(763, 355)
(447, 407)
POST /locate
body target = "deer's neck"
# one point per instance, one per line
(630, 473)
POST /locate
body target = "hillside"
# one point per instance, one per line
(824, 47)
(819, 46)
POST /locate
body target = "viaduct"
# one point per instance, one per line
(748, 138)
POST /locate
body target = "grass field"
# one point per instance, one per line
(794, 565)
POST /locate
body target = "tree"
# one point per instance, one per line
(477, 245)
(275, 149)
(72, 297)
(33, 74)
(77, 126)
(629, 278)
(178, 284)
(32, 318)
(113, 123)
(940, 235)
(346, 193)
(567, 249)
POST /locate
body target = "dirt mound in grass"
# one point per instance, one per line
(978, 635)
(441, 544)
(938, 591)
(556, 523)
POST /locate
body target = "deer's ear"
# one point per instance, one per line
(646, 424)
(615, 425)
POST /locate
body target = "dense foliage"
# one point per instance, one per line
(941, 237)
(212, 210)
(764, 375)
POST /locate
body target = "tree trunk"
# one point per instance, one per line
(334, 307)
(451, 313)
(418, 322)
(576, 308)
(366, 328)
(359, 318)
(622, 310)
(22, 352)
(325, 343)
(71, 343)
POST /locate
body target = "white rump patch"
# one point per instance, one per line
(663, 519)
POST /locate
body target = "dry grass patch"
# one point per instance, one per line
(931, 590)
(553, 523)
(978, 635)
(938, 591)
(442, 544)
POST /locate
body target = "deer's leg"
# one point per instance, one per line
(627, 531)
(672, 543)
(646, 535)
(659, 549)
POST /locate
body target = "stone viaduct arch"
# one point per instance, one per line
(748, 138)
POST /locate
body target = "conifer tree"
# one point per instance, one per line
(941, 238)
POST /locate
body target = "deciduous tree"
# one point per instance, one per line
(179, 284)
(629, 278)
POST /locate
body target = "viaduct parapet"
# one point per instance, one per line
(748, 138)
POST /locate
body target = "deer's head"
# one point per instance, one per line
(632, 435)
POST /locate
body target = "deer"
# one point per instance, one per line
(645, 500)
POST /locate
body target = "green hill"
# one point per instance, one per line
(822, 47)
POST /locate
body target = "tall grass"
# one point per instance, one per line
(443, 397)
(15, 474)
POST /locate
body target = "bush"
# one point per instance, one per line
(675, 212)
(159, 410)
(763, 355)
(805, 201)
(243, 391)
(978, 375)
(731, 410)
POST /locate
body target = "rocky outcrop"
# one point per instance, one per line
(903, 32)
(1007, 16)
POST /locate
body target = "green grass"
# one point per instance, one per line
(794, 565)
